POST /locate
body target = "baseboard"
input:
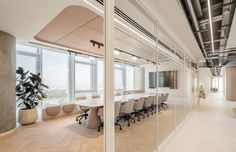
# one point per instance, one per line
(7, 132)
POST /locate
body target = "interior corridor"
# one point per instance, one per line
(210, 128)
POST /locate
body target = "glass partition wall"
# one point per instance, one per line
(135, 49)
(148, 76)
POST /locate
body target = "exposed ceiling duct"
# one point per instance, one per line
(211, 26)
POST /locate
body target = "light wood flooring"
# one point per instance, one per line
(66, 135)
(211, 127)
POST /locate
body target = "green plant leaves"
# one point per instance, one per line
(29, 89)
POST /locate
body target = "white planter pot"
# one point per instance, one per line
(28, 116)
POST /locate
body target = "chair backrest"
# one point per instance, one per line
(155, 100)
(139, 104)
(161, 98)
(81, 98)
(166, 97)
(95, 96)
(127, 107)
(148, 102)
(117, 108)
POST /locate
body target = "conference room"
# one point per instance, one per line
(145, 76)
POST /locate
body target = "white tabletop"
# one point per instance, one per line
(93, 103)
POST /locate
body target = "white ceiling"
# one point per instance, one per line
(171, 16)
(26, 18)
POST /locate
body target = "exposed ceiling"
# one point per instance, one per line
(211, 26)
(171, 17)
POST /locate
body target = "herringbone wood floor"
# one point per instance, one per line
(65, 135)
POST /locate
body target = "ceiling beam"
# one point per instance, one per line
(218, 5)
(214, 19)
(216, 40)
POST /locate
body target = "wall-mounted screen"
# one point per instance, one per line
(166, 79)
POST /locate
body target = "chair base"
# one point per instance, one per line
(80, 117)
(127, 118)
(137, 114)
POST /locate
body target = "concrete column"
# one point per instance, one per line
(7, 82)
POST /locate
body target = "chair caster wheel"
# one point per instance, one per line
(120, 128)
(79, 122)
(138, 119)
(128, 125)
(99, 130)
(76, 119)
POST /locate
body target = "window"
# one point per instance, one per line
(119, 85)
(27, 58)
(100, 77)
(28, 63)
(83, 77)
(129, 77)
(55, 75)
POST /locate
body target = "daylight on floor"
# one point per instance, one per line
(117, 76)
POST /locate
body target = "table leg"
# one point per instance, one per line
(93, 119)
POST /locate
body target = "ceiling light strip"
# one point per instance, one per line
(211, 27)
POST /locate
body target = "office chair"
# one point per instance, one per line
(117, 111)
(126, 110)
(83, 109)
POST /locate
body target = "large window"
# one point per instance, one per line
(69, 75)
(100, 78)
(27, 58)
(84, 76)
(129, 77)
(55, 75)
(119, 77)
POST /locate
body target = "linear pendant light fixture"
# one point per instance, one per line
(211, 27)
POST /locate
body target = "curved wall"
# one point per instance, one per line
(7, 82)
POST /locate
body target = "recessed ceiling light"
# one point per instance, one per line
(134, 58)
(116, 52)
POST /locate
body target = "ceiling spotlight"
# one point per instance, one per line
(116, 52)
(134, 58)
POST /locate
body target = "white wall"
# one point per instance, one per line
(166, 66)
(205, 79)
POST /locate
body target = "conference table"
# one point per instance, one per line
(94, 104)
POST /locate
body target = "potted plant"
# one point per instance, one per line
(29, 91)
(201, 93)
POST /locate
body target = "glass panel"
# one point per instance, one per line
(55, 75)
(25, 48)
(135, 45)
(166, 96)
(83, 77)
(28, 63)
(84, 58)
(100, 65)
(119, 81)
(129, 77)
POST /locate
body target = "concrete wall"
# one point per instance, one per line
(230, 80)
(7, 82)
